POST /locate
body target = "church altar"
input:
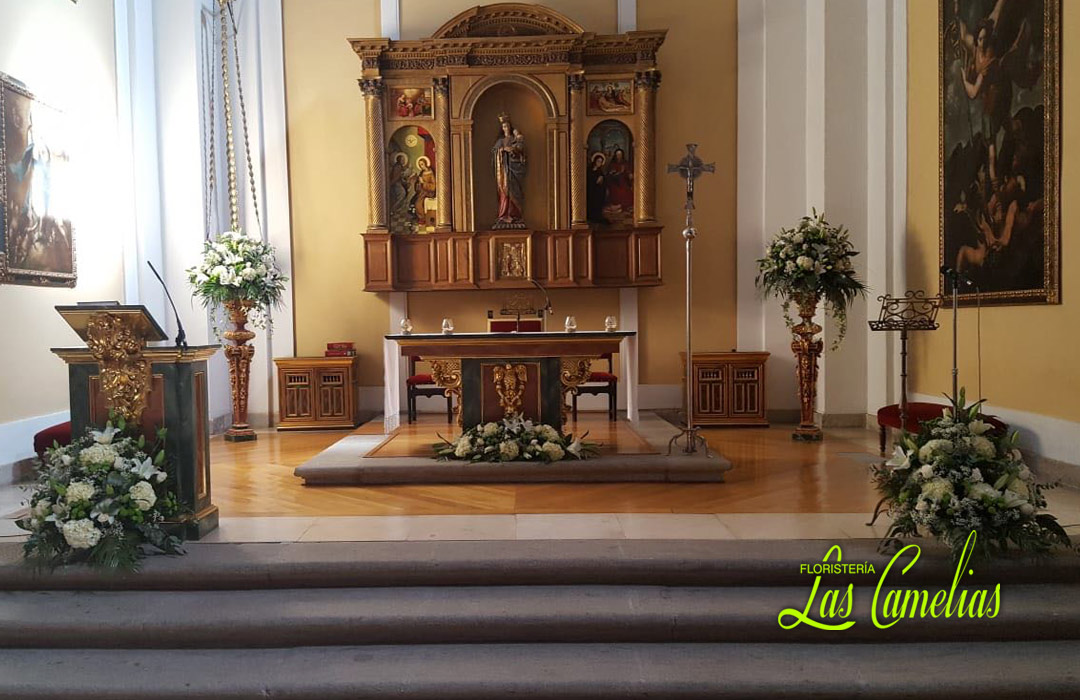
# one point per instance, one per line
(497, 375)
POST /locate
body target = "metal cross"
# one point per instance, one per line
(691, 167)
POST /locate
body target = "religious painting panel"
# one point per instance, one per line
(37, 243)
(411, 185)
(609, 97)
(609, 184)
(999, 178)
(411, 103)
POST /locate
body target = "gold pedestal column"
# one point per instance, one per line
(578, 213)
(807, 349)
(443, 195)
(239, 355)
(372, 89)
(646, 83)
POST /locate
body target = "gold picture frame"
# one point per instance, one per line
(37, 237)
(998, 195)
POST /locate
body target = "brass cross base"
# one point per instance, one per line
(691, 441)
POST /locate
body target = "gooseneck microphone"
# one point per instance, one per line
(181, 336)
(956, 276)
(547, 298)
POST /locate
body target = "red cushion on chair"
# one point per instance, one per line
(420, 379)
(60, 433)
(528, 325)
(919, 412)
(602, 377)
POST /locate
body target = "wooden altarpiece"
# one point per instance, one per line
(425, 94)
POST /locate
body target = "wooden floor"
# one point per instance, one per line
(772, 474)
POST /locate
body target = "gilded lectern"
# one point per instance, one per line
(151, 386)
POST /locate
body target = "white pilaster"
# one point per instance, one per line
(628, 352)
(878, 366)
(390, 18)
(395, 366)
(750, 211)
(626, 13)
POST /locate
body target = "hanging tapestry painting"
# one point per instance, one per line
(999, 67)
(37, 244)
(609, 183)
(412, 181)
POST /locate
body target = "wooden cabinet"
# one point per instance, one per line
(317, 392)
(728, 388)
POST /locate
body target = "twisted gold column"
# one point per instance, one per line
(443, 194)
(372, 89)
(646, 84)
(578, 216)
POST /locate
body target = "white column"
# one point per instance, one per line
(395, 366)
(750, 212)
(878, 365)
(390, 18)
(626, 14)
(628, 352)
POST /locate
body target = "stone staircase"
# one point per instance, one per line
(528, 619)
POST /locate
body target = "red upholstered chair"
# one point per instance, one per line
(424, 385)
(601, 383)
(510, 325)
(918, 413)
(59, 433)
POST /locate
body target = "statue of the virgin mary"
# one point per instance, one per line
(509, 156)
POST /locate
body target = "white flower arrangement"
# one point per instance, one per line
(956, 476)
(99, 500)
(515, 439)
(236, 267)
(811, 261)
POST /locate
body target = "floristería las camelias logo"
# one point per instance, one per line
(832, 608)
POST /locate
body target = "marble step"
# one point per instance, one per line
(1002, 671)
(517, 614)
(521, 562)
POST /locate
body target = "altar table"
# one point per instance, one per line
(494, 375)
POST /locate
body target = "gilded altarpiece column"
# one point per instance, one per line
(373, 89)
(443, 183)
(578, 214)
(646, 84)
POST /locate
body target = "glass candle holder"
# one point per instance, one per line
(610, 323)
(406, 326)
(448, 325)
(571, 324)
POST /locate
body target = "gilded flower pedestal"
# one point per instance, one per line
(239, 355)
(807, 350)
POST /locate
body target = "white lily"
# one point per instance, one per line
(899, 460)
(104, 437)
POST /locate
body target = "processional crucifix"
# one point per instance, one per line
(690, 168)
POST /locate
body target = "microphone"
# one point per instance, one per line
(956, 276)
(181, 336)
(547, 298)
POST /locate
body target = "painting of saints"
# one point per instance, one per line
(36, 232)
(998, 99)
(410, 103)
(508, 155)
(610, 97)
(411, 181)
(609, 187)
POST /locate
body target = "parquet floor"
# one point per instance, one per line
(772, 474)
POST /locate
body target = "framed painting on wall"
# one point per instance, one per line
(411, 103)
(609, 97)
(37, 240)
(999, 67)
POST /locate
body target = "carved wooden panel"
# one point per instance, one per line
(377, 266)
(317, 392)
(507, 259)
(611, 259)
(729, 388)
(647, 257)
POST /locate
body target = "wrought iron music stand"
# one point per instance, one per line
(690, 168)
(912, 312)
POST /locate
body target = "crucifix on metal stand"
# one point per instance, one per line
(690, 168)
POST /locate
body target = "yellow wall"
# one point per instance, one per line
(1029, 352)
(65, 54)
(329, 181)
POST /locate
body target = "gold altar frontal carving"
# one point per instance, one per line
(510, 383)
(574, 372)
(566, 104)
(446, 373)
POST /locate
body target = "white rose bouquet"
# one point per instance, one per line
(238, 268)
(515, 439)
(100, 499)
(809, 262)
(957, 476)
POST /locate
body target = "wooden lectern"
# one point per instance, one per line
(151, 386)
